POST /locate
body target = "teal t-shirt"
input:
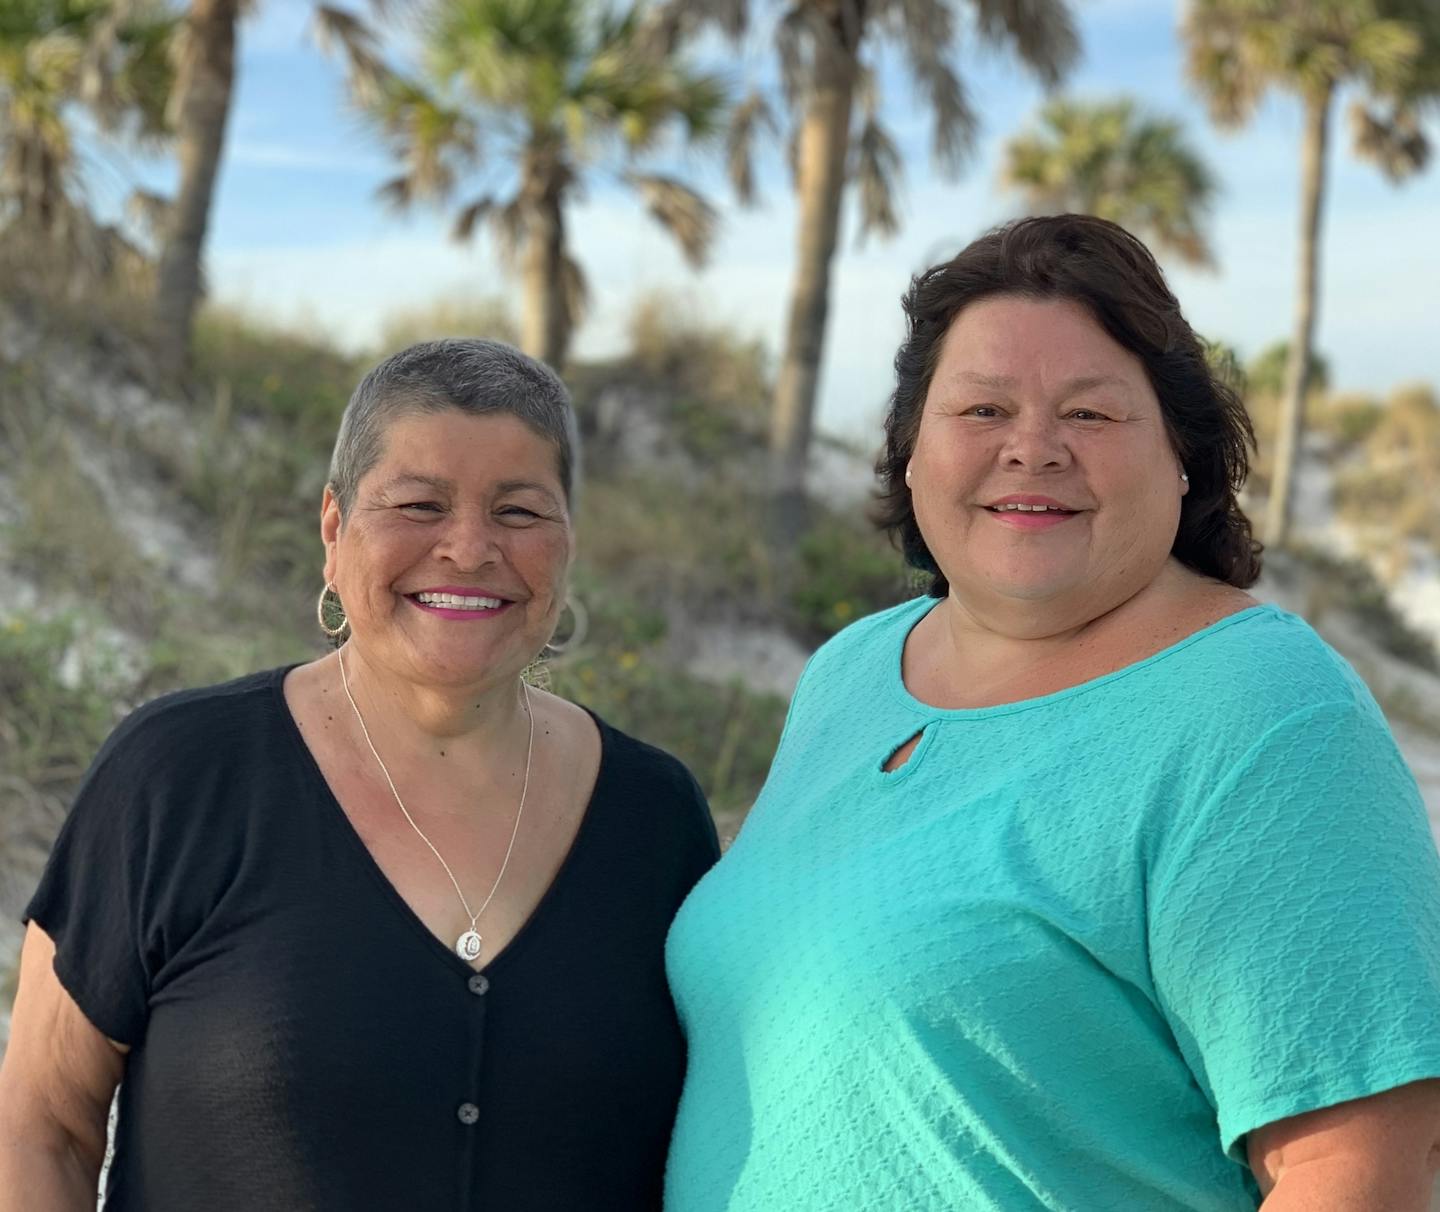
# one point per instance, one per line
(1071, 952)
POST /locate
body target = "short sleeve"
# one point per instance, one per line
(90, 899)
(1294, 924)
(699, 807)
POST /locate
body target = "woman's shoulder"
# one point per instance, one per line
(1269, 652)
(651, 780)
(170, 770)
(875, 636)
(640, 762)
(198, 722)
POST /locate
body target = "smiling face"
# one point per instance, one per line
(1042, 478)
(452, 562)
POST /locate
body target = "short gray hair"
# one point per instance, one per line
(474, 376)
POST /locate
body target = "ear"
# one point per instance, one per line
(330, 526)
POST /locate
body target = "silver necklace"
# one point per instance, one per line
(467, 946)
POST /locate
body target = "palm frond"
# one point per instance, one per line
(1112, 160)
(149, 212)
(673, 22)
(877, 170)
(622, 89)
(508, 225)
(1393, 140)
(1229, 58)
(337, 31)
(433, 140)
(574, 292)
(142, 75)
(929, 37)
(54, 61)
(469, 216)
(681, 211)
(1041, 32)
(1238, 49)
(792, 46)
(396, 193)
(748, 120)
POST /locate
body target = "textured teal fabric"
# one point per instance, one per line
(1071, 952)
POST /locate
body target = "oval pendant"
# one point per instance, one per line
(467, 946)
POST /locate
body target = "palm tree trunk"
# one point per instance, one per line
(823, 147)
(544, 319)
(203, 101)
(1297, 370)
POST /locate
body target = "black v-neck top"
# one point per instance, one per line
(301, 1041)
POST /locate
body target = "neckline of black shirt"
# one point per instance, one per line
(367, 860)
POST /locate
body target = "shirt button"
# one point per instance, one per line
(478, 985)
(467, 1113)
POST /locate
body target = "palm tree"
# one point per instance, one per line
(1112, 160)
(535, 94)
(1238, 50)
(199, 114)
(827, 52)
(55, 54)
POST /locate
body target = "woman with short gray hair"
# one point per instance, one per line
(384, 930)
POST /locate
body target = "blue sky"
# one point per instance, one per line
(297, 237)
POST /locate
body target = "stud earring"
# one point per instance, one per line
(908, 473)
(1184, 478)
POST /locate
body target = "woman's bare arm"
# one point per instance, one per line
(1379, 1153)
(56, 1083)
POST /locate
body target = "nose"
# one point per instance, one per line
(469, 541)
(1035, 442)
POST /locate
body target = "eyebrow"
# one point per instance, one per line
(1071, 388)
(521, 485)
(441, 484)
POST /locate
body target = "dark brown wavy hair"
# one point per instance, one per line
(1113, 276)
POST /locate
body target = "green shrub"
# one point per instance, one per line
(262, 453)
(66, 537)
(700, 539)
(1350, 419)
(50, 730)
(725, 734)
(275, 375)
(846, 570)
(461, 317)
(717, 384)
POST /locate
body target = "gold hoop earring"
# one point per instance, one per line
(330, 613)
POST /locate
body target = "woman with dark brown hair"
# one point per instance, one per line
(1084, 881)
